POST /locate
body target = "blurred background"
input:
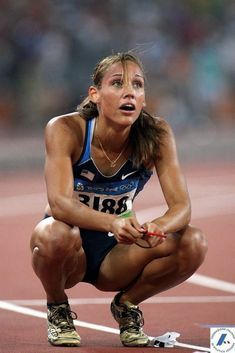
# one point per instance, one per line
(48, 50)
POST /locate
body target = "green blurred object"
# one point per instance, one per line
(126, 214)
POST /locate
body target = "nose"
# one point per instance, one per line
(128, 91)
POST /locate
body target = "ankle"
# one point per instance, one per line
(122, 299)
(50, 304)
(125, 298)
(57, 300)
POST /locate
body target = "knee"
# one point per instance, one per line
(55, 239)
(196, 243)
(193, 249)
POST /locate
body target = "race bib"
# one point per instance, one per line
(109, 198)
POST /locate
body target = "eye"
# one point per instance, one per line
(117, 83)
(138, 84)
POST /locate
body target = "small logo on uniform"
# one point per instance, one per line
(124, 176)
(79, 187)
(222, 339)
(87, 174)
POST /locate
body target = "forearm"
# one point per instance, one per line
(72, 211)
(175, 218)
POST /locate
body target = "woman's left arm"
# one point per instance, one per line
(173, 186)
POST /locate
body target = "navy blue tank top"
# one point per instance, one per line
(111, 194)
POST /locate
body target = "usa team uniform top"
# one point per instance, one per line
(106, 193)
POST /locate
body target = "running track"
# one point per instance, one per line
(206, 299)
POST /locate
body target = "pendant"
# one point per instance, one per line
(113, 164)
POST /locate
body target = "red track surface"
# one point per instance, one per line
(212, 190)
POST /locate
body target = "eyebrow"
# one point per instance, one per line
(120, 75)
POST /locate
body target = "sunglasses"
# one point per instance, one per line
(144, 241)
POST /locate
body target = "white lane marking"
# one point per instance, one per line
(36, 313)
(211, 282)
(191, 346)
(153, 300)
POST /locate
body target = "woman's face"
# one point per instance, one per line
(121, 96)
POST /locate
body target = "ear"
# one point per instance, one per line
(93, 93)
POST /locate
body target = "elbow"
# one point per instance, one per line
(57, 209)
(56, 214)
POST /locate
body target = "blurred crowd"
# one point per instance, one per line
(48, 49)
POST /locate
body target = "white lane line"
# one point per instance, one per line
(153, 300)
(190, 346)
(40, 314)
(211, 282)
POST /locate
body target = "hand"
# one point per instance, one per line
(127, 230)
(152, 236)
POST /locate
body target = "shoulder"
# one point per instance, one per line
(71, 125)
(166, 128)
(65, 131)
(167, 147)
(68, 122)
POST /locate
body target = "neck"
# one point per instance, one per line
(112, 136)
(108, 143)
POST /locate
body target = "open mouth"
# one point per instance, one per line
(127, 107)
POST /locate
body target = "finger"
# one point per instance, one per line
(124, 240)
(130, 231)
(149, 242)
(150, 230)
(136, 224)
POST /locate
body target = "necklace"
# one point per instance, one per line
(112, 162)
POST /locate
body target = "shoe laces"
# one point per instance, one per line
(132, 319)
(62, 317)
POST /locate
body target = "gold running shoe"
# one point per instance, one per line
(61, 330)
(130, 320)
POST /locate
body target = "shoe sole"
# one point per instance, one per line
(135, 344)
(65, 344)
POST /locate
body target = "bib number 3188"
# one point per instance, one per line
(106, 205)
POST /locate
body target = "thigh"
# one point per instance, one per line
(123, 264)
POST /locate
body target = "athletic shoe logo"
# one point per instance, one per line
(127, 175)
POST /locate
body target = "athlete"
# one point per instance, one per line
(97, 160)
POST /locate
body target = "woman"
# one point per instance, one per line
(97, 160)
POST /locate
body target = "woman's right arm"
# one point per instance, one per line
(61, 143)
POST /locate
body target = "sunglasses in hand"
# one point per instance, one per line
(144, 241)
